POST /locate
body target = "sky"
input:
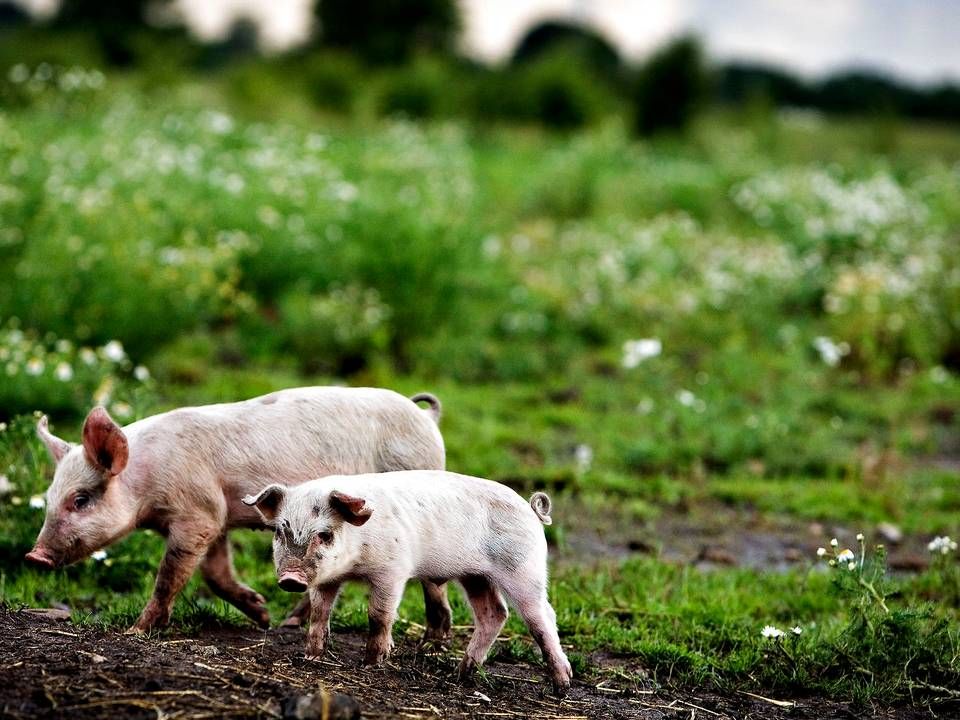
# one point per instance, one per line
(916, 39)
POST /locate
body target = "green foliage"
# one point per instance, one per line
(552, 90)
(388, 31)
(671, 89)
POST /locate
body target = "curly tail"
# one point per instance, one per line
(540, 502)
(435, 407)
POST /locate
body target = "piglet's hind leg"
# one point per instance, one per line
(489, 613)
(217, 570)
(535, 609)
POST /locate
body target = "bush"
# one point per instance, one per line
(338, 332)
(332, 80)
(552, 90)
(670, 89)
(423, 89)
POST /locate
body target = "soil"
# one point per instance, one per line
(55, 669)
(714, 535)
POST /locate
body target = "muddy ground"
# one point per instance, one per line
(54, 669)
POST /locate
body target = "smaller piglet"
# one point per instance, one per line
(387, 528)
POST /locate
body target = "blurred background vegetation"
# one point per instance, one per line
(373, 207)
(661, 288)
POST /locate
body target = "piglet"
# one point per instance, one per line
(386, 528)
(183, 473)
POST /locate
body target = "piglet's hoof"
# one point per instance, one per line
(135, 630)
(290, 623)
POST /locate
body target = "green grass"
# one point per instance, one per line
(802, 281)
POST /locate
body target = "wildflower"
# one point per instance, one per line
(584, 457)
(34, 366)
(834, 543)
(6, 487)
(99, 555)
(851, 566)
(686, 398)
(16, 500)
(846, 555)
(830, 352)
(645, 406)
(37, 502)
(88, 356)
(636, 351)
(860, 537)
(3, 426)
(141, 373)
(821, 552)
(113, 351)
(769, 631)
(943, 545)
(63, 372)
(796, 630)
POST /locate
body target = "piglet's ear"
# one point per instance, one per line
(353, 510)
(268, 501)
(55, 446)
(104, 443)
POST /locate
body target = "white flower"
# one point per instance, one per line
(88, 356)
(636, 351)
(834, 543)
(645, 406)
(851, 566)
(3, 426)
(846, 555)
(63, 372)
(796, 630)
(830, 352)
(37, 502)
(6, 487)
(860, 537)
(34, 366)
(943, 545)
(113, 351)
(99, 555)
(141, 373)
(821, 552)
(686, 398)
(769, 631)
(584, 457)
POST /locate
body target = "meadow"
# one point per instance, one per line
(760, 322)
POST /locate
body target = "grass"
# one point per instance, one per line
(800, 284)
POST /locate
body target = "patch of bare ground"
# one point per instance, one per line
(58, 670)
(714, 534)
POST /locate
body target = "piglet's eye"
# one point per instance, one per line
(325, 537)
(81, 501)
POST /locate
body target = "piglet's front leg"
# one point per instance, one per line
(385, 598)
(322, 599)
(184, 552)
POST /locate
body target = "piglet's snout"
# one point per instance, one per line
(39, 558)
(293, 581)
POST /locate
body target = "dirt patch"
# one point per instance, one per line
(58, 670)
(714, 535)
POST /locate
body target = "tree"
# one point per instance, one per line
(388, 31)
(671, 88)
(579, 42)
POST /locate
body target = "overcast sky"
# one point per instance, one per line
(919, 39)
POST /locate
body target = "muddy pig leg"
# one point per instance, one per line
(217, 570)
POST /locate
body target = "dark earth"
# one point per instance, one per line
(53, 669)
